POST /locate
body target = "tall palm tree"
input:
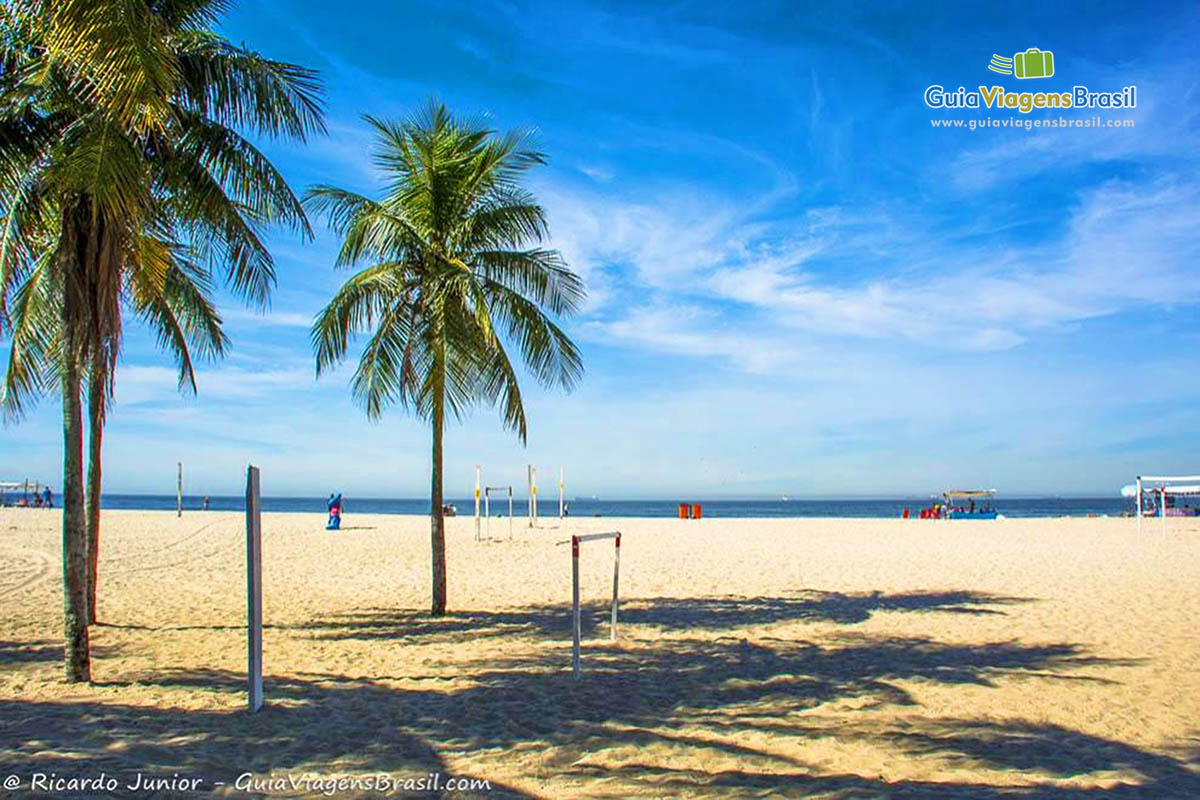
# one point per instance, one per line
(119, 127)
(452, 277)
(180, 312)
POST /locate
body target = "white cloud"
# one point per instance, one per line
(272, 318)
(1126, 245)
(136, 383)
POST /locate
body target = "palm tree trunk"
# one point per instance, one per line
(78, 659)
(437, 519)
(96, 397)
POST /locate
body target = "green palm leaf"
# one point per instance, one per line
(126, 182)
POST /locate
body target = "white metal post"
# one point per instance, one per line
(1162, 509)
(179, 492)
(529, 493)
(576, 626)
(254, 588)
(477, 502)
(560, 492)
(510, 511)
(535, 506)
(616, 578)
(487, 510)
(1139, 504)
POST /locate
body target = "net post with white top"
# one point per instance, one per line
(477, 487)
(531, 502)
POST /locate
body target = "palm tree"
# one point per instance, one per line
(179, 311)
(452, 276)
(120, 156)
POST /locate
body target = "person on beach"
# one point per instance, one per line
(48, 498)
(206, 502)
(335, 512)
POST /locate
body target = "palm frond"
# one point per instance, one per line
(239, 87)
(118, 54)
(32, 360)
(454, 280)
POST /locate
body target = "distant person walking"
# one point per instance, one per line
(206, 502)
(48, 497)
(335, 512)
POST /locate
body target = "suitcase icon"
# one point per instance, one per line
(1034, 63)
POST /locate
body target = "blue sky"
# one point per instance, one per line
(797, 285)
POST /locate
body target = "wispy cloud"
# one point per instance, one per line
(1126, 245)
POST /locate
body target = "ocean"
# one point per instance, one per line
(594, 507)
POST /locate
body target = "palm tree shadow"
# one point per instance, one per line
(308, 728)
(664, 613)
(27, 652)
(696, 697)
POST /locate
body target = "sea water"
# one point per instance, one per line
(592, 507)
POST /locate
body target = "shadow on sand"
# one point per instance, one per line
(29, 652)
(665, 613)
(693, 700)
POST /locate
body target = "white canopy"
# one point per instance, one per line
(1131, 489)
(1164, 489)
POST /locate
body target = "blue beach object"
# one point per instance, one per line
(335, 512)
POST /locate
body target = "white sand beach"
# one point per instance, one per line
(827, 658)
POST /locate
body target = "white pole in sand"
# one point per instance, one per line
(616, 576)
(510, 510)
(487, 511)
(535, 507)
(560, 492)
(1139, 504)
(254, 588)
(477, 502)
(1162, 509)
(529, 493)
(179, 492)
(575, 606)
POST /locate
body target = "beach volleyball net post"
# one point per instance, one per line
(487, 508)
(561, 485)
(576, 614)
(477, 468)
(254, 589)
(531, 476)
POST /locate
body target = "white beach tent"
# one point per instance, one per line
(15, 486)
(1167, 484)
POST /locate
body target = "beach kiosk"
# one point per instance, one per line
(969, 503)
(19, 493)
(1165, 496)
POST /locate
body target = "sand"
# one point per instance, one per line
(838, 658)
